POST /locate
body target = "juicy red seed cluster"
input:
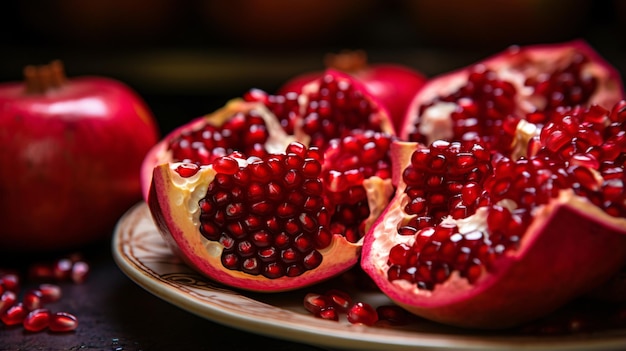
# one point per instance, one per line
(337, 109)
(436, 252)
(348, 161)
(268, 214)
(484, 104)
(285, 107)
(442, 180)
(30, 311)
(579, 148)
(334, 303)
(204, 144)
(590, 144)
(567, 86)
(439, 250)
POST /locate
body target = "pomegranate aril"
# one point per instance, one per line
(14, 315)
(37, 320)
(80, 271)
(61, 322)
(187, 170)
(312, 260)
(32, 299)
(329, 314)
(316, 303)
(362, 313)
(7, 299)
(49, 292)
(340, 299)
(62, 269)
(10, 281)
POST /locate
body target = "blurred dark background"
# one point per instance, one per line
(188, 57)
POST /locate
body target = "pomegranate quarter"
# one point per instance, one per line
(510, 197)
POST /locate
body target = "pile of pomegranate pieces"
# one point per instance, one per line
(497, 197)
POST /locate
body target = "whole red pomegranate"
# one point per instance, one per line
(72, 150)
(510, 196)
(394, 85)
(273, 192)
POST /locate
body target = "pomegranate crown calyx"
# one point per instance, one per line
(40, 79)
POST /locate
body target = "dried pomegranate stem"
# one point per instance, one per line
(39, 79)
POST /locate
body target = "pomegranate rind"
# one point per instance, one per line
(508, 63)
(160, 153)
(571, 243)
(173, 202)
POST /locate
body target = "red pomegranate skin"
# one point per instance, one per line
(69, 166)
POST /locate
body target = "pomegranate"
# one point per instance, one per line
(62, 141)
(509, 203)
(274, 192)
(393, 84)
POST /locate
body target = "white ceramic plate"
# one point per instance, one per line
(143, 255)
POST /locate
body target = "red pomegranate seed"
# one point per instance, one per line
(32, 299)
(362, 313)
(49, 292)
(80, 271)
(273, 270)
(341, 300)
(226, 165)
(62, 269)
(187, 170)
(315, 303)
(10, 281)
(37, 320)
(329, 313)
(399, 255)
(14, 315)
(63, 322)
(7, 299)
